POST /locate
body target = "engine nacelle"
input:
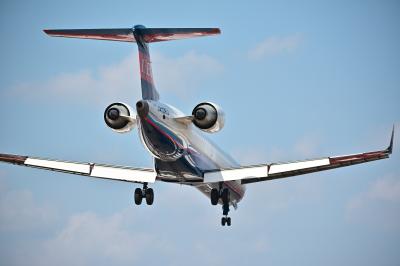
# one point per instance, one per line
(119, 117)
(209, 117)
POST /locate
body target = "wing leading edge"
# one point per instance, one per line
(265, 172)
(119, 173)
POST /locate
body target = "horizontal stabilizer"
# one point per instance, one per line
(128, 34)
(122, 35)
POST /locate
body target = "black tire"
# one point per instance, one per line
(223, 221)
(214, 195)
(138, 196)
(149, 196)
(225, 196)
(228, 221)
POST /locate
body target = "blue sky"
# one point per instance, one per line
(296, 80)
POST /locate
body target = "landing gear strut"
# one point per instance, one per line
(146, 193)
(224, 195)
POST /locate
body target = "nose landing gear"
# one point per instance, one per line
(146, 193)
(225, 219)
(224, 195)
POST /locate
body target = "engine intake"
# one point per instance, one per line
(118, 116)
(208, 117)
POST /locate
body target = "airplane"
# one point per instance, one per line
(181, 152)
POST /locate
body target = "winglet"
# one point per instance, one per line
(390, 148)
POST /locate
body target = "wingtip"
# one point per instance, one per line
(217, 30)
(50, 32)
(14, 159)
(390, 148)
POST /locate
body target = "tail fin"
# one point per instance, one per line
(142, 36)
(149, 91)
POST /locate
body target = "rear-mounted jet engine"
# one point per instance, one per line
(119, 117)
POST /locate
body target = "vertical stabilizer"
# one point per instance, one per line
(149, 91)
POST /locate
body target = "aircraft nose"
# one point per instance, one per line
(142, 108)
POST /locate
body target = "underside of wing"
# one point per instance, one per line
(122, 34)
(264, 172)
(169, 34)
(112, 172)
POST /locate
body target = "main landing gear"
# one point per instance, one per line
(146, 193)
(224, 195)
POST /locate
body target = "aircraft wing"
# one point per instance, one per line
(264, 172)
(112, 172)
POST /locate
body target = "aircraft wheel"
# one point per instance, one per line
(225, 196)
(214, 196)
(149, 196)
(223, 221)
(228, 221)
(138, 196)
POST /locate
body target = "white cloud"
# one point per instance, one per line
(86, 86)
(272, 46)
(305, 147)
(386, 189)
(121, 81)
(379, 205)
(89, 239)
(124, 237)
(261, 246)
(183, 74)
(20, 211)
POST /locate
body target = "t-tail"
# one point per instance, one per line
(142, 36)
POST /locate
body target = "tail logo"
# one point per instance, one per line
(145, 68)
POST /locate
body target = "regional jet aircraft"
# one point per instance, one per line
(181, 153)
